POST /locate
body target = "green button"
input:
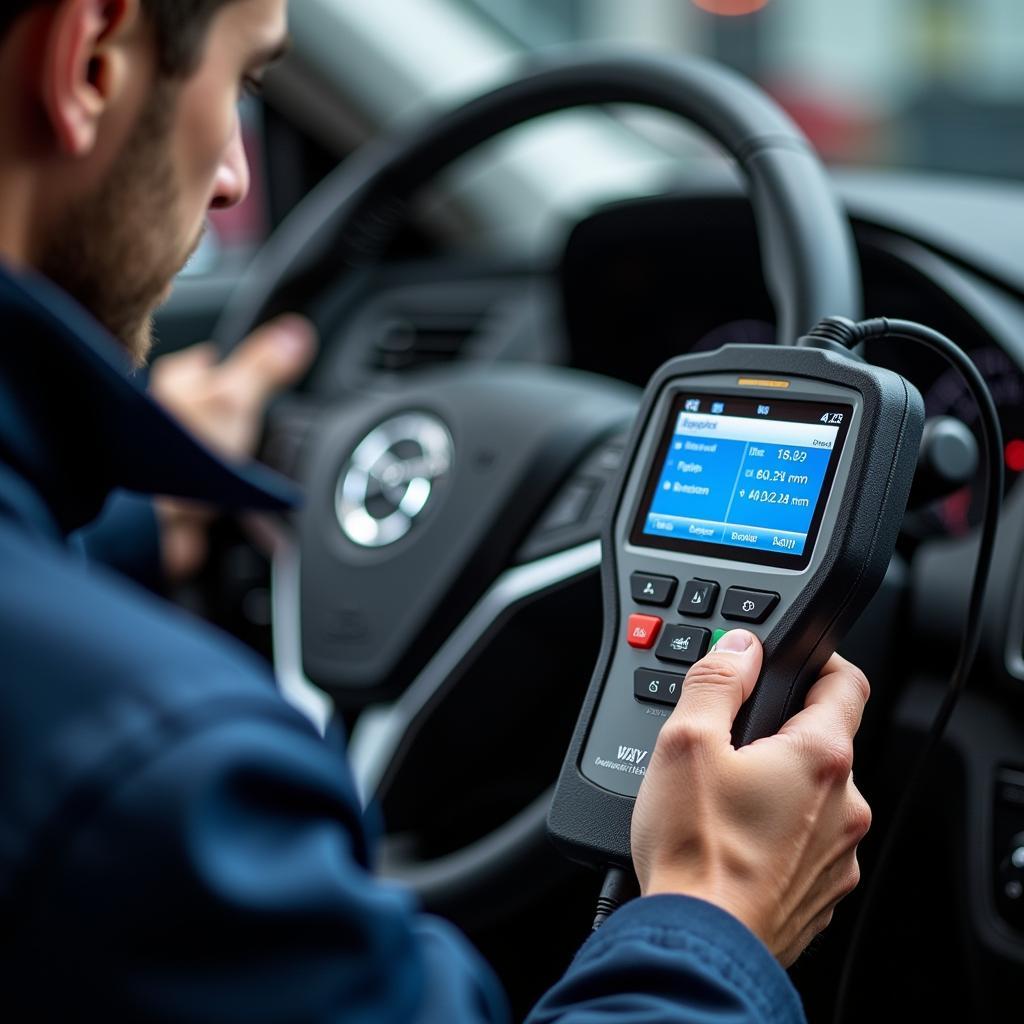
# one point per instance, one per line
(716, 636)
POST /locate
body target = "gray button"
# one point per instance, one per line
(699, 597)
(656, 590)
(683, 644)
(657, 687)
(748, 605)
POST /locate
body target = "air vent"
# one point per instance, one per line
(424, 339)
(407, 327)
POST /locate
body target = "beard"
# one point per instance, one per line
(116, 250)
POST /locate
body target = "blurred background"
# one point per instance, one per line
(925, 83)
(932, 85)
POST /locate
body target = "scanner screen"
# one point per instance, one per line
(743, 478)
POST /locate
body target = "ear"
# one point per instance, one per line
(85, 67)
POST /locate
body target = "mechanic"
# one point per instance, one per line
(176, 842)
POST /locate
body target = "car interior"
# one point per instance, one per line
(500, 281)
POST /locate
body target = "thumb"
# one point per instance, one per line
(273, 357)
(717, 685)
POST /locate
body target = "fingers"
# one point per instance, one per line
(840, 880)
(183, 538)
(180, 369)
(858, 814)
(272, 358)
(716, 687)
(831, 717)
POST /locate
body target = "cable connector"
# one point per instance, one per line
(620, 886)
(834, 334)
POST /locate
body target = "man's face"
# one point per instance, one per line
(118, 248)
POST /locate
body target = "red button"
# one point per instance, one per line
(642, 631)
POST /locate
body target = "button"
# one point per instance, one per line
(716, 636)
(685, 644)
(647, 589)
(571, 505)
(699, 597)
(642, 631)
(658, 687)
(604, 461)
(748, 605)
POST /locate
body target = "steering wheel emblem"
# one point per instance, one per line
(391, 477)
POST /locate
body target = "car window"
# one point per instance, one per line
(936, 84)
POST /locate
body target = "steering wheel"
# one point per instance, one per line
(441, 579)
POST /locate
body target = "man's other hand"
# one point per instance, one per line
(768, 832)
(223, 404)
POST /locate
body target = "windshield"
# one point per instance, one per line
(937, 84)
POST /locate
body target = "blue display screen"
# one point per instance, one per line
(740, 474)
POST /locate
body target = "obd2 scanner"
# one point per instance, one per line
(762, 487)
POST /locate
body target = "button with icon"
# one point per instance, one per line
(656, 687)
(699, 598)
(649, 589)
(684, 644)
(748, 605)
(642, 631)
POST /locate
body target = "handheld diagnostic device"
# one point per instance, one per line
(762, 487)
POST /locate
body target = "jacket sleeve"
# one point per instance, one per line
(218, 873)
(672, 960)
(126, 538)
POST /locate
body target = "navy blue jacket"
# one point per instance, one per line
(176, 842)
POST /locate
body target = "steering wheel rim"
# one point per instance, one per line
(808, 258)
(808, 254)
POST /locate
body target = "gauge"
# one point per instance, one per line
(948, 396)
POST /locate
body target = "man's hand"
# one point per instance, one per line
(768, 832)
(223, 404)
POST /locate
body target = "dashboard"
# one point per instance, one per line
(643, 280)
(635, 297)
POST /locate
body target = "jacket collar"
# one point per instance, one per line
(75, 424)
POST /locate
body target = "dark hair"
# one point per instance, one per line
(180, 27)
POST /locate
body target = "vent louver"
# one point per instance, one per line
(423, 339)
